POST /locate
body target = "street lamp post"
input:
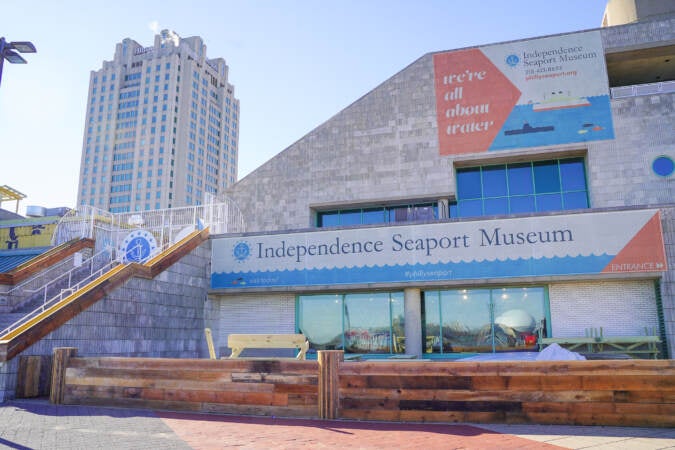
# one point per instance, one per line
(7, 52)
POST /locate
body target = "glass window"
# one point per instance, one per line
(484, 320)
(320, 320)
(374, 215)
(368, 323)
(575, 200)
(468, 183)
(553, 185)
(520, 179)
(495, 206)
(329, 219)
(522, 204)
(352, 217)
(494, 181)
(399, 213)
(546, 177)
(572, 175)
(549, 202)
(470, 208)
(425, 212)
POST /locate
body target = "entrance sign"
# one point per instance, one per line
(586, 243)
(546, 91)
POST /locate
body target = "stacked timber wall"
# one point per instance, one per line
(617, 392)
(286, 388)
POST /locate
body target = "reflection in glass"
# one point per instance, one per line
(466, 320)
(518, 312)
(484, 320)
(367, 327)
(320, 320)
(359, 323)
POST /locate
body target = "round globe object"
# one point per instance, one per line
(518, 319)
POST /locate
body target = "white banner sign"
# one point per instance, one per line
(590, 243)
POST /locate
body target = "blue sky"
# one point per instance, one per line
(294, 64)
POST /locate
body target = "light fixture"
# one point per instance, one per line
(8, 51)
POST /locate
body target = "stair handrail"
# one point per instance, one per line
(60, 296)
(91, 261)
(64, 293)
(68, 260)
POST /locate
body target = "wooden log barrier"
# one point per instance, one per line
(329, 382)
(34, 376)
(60, 362)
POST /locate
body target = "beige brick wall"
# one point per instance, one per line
(619, 307)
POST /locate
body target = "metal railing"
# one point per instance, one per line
(63, 293)
(27, 293)
(38, 281)
(166, 225)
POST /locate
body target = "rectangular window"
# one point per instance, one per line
(553, 185)
(484, 320)
(385, 214)
(371, 322)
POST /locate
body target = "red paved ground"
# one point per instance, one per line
(203, 431)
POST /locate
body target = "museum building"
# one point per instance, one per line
(477, 201)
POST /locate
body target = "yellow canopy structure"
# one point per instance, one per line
(10, 194)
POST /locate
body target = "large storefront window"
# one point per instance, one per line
(417, 212)
(355, 323)
(538, 186)
(484, 320)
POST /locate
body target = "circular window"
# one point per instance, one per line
(663, 166)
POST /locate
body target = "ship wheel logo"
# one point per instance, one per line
(241, 251)
(138, 246)
(512, 60)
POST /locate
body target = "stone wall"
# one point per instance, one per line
(162, 317)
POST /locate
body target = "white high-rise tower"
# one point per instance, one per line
(161, 129)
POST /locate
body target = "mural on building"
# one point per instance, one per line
(546, 91)
(26, 236)
(591, 243)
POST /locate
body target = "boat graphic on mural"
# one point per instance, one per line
(527, 128)
(559, 100)
(589, 126)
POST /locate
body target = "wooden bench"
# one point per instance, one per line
(238, 342)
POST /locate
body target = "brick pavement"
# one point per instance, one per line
(36, 424)
(216, 432)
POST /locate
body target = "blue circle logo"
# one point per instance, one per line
(512, 60)
(241, 251)
(663, 166)
(138, 246)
